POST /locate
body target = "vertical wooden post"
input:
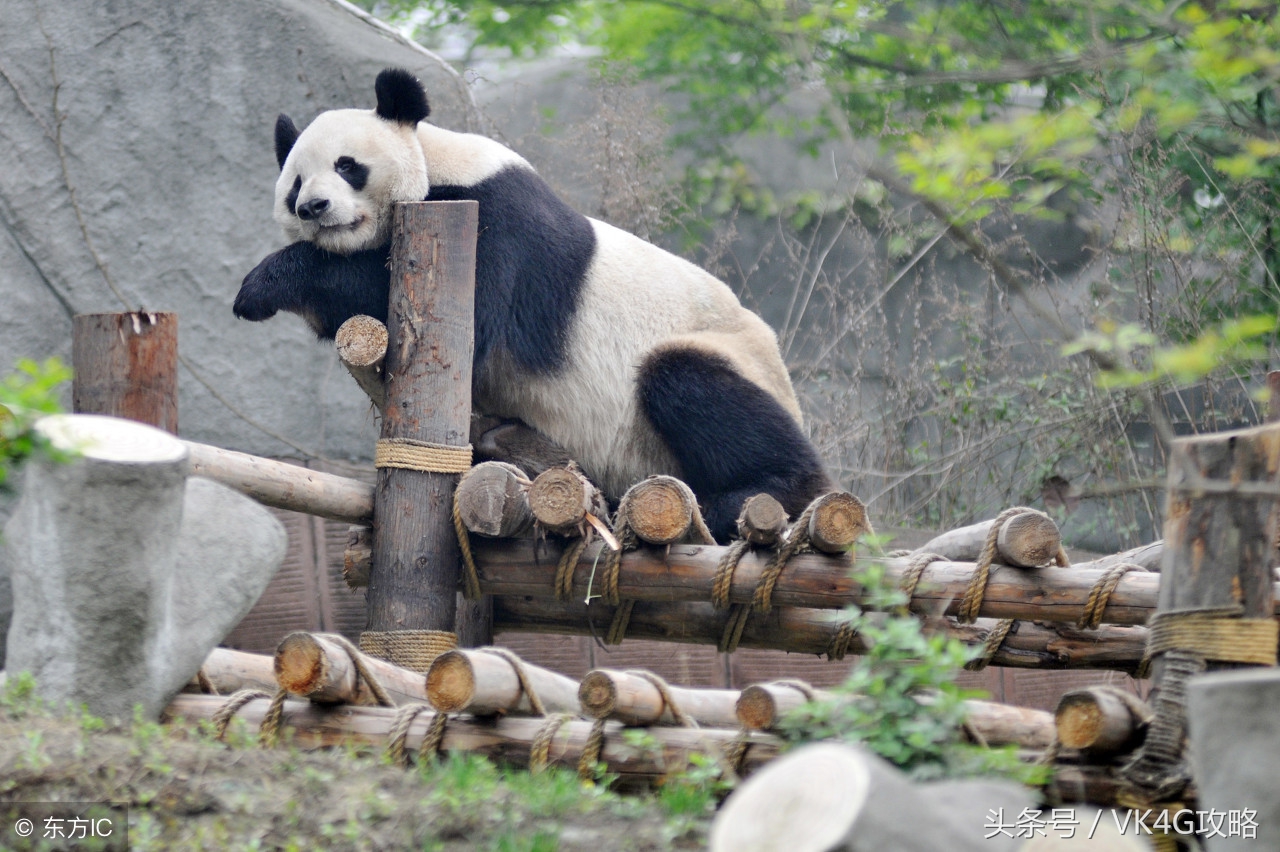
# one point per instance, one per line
(1216, 607)
(126, 365)
(414, 578)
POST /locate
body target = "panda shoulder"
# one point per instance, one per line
(464, 159)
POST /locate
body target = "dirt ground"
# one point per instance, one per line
(185, 791)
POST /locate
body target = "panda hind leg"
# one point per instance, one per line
(733, 440)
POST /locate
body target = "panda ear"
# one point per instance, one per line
(400, 97)
(286, 135)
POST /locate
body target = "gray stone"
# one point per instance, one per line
(832, 796)
(125, 573)
(1234, 731)
(165, 115)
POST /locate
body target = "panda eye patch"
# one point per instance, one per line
(352, 171)
(291, 200)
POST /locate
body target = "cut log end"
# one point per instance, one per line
(451, 682)
(660, 509)
(837, 521)
(756, 708)
(560, 499)
(598, 695)
(361, 342)
(492, 501)
(1029, 539)
(762, 521)
(1096, 720)
(300, 664)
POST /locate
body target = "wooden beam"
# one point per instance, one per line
(812, 631)
(484, 682)
(687, 573)
(283, 485)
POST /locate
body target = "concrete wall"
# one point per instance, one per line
(138, 158)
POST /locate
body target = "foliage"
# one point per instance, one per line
(901, 699)
(26, 395)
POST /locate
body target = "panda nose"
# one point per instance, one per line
(313, 209)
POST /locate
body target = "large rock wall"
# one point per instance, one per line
(139, 172)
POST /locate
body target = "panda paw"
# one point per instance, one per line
(259, 294)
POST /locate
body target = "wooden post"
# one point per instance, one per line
(1216, 606)
(126, 365)
(414, 577)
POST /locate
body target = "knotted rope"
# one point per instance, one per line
(422, 456)
(1100, 594)
(415, 650)
(268, 730)
(540, 747)
(522, 676)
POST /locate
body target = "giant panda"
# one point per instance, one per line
(635, 361)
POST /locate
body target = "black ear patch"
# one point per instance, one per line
(400, 97)
(286, 135)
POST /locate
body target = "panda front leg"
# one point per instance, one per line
(324, 288)
(733, 440)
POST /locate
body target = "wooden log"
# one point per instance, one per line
(316, 667)
(284, 485)
(761, 706)
(811, 631)
(505, 739)
(511, 441)
(361, 343)
(483, 682)
(1026, 540)
(561, 498)
(763, 520)
(126, 365)
(226, 671)
(493, 501)
(635, 699)
(1148, 556)
(659, 510)
(838, 519)
(687, 573)
(1100, 721)
(416, 559)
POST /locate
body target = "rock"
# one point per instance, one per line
(125, 573)
(832, 796)
(1234, 733)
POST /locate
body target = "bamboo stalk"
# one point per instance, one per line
(483, 682)
(633, 698)
(812, 631)
(506, 738)
(316, 667)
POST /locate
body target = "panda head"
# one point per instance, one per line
(340, 177)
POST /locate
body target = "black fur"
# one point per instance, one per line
(286, 135)
(291, 200)
(400, 97)
(532, 256)
(732, 439)
(326, 289)
(355, 173)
